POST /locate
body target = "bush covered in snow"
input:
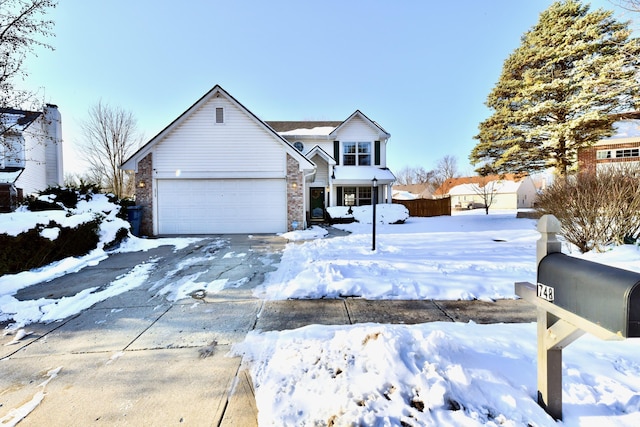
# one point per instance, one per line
(385, 213)
(59, 223)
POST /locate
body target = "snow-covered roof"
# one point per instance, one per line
(17, 119)
(361, 175)
(320, 131)
(500, 187)
(404, 195)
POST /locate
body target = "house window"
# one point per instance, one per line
(628, 152)
(356, 196)
(219, 115)
(618, 154)
(299, 145)
(356, 153)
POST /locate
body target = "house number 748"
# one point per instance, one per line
(545, 292)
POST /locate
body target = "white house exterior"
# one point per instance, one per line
(505, 193)
(348, 155)
(218, 168)
(31, 149)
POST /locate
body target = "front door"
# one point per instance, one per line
(316, 203)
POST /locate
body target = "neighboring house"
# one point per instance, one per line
(30, 150)
(509, 192)
(623, 148)
(412, 192)
(218, 168)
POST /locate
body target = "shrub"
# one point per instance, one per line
(595, 209)
(30, 250)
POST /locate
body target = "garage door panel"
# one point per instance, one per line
(221, 206)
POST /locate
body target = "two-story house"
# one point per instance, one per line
(30, 152)
(623, 148)
(218, 168)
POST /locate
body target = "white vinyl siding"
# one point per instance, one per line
(200, 148)
(221, 206)
(34, 176)
(322, 171)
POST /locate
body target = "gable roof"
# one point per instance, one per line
(322, 128)
(446, 186)
(317, 150)
(132, 162)
(381, 132)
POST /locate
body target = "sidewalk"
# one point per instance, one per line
(136, 359)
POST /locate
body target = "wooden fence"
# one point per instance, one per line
(427, 207)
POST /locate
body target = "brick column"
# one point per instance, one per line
(144, 194)
(295, 194)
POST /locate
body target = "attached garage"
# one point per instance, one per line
(219, 169)
(218, 206)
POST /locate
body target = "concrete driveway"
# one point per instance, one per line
(138, 359)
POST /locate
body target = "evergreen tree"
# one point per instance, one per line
(558, 90)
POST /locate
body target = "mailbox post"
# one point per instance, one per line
(571, 299)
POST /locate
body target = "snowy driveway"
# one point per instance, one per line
(124, 349)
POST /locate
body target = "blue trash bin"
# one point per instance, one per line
(134, 216)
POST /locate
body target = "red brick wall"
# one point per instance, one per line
(587, 160)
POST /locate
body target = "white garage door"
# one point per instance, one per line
(215, 206)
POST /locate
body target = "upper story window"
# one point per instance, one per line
(356, 153)
(299, 145)
(219, 115)
(618, 154)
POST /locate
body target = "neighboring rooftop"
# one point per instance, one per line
(12, 118)
(446, 186)
(282, 127)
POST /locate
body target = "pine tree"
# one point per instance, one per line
(558, 91)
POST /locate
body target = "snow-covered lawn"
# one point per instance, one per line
(444, 374)
(440, 374)
(458, 257)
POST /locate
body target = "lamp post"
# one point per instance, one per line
(374, 201)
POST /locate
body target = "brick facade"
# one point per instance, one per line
(295, 194)
(587, 157)
(144, 194)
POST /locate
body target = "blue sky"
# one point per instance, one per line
(422, 69)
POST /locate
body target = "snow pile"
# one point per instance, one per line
(385, 213)
(445, 374)
(314, 232)
(97, 205)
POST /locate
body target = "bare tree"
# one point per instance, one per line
(632, 5)
(446, 168)
(413, 175)
(487, 189)
(23, 27)
(110, 137)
